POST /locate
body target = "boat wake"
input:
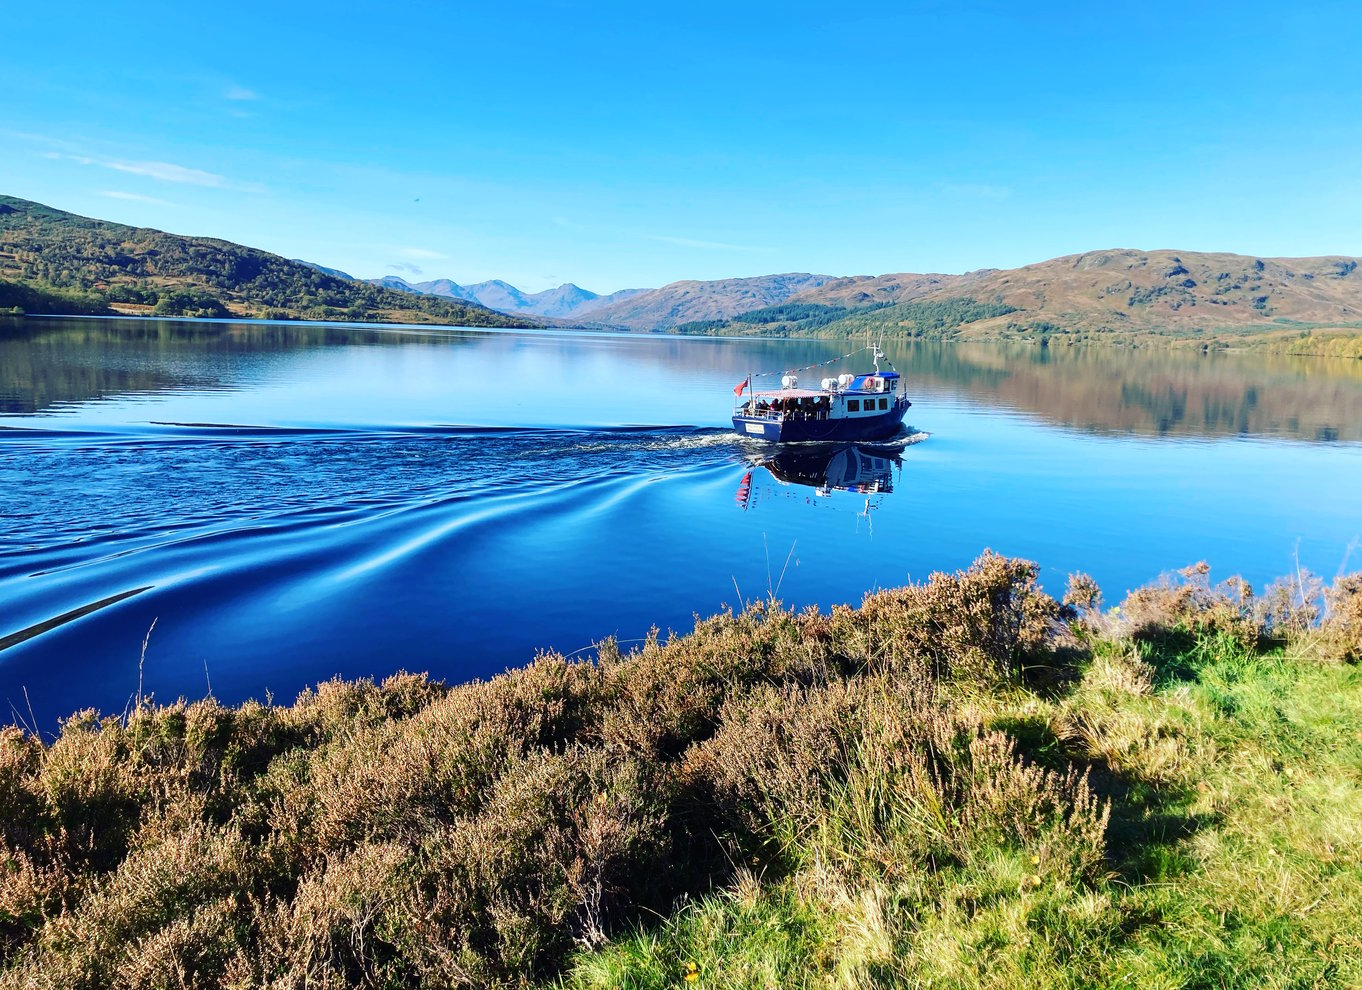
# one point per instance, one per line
(280, 557)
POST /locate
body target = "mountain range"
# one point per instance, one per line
(1180, 293)
(636, 309)
(568, 301)
(52, 261)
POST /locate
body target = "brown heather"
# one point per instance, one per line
(411, 834)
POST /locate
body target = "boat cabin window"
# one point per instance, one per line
(884, 403)
(853, 405)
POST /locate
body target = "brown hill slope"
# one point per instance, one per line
(683, 302)
(1176, 293)
(1179, 290)
(1100, 293)
(870, 290)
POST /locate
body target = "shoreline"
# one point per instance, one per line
(1309, 342)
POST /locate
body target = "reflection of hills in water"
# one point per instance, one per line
(860, 468)
(44, 363)
(50, 362)
(1151, 392)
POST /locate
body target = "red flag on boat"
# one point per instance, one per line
(738, 389)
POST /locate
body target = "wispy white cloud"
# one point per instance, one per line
(159, 171)
(43, 139)
(235, 92)
(702, 245)
(133, 197)
(423, 254)
(407, 267)
(168, 172)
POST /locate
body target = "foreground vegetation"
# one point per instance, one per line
(962, 783)
(52, 262)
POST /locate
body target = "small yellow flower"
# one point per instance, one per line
(692, 976)
(1035, 860)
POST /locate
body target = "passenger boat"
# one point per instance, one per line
(867, 406)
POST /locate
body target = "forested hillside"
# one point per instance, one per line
(57, 262)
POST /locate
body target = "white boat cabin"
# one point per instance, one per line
(845, 397)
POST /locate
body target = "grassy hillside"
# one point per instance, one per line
(1183, 291)
(1292, 305)
(56, 262)
(962, 783)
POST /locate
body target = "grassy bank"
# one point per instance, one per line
(962, 783)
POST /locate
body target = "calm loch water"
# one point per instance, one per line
(290, 503)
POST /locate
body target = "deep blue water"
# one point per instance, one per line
(293, 503)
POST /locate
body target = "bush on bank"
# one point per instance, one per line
(963, 782)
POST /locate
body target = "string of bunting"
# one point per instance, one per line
(810, 367)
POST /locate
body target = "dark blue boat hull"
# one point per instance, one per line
(791, 430)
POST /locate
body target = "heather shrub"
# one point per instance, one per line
(30, 893)
(663, 697)
(22, 805)
(1290, 607)
(340, 929)
(1054, 814)
(179, 867)
(93, 789)
(776, 751)
(565, 842)
(876, 775)
(1187, 603)
(987, 622)
(1082, 593)
(1342, 626)
(400, 777)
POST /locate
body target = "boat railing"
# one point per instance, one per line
(747, 412)
(780, 415)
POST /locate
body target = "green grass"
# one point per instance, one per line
(1240, 866)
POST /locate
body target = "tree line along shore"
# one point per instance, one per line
(964, 782)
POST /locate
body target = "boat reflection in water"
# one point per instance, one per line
(863, 469)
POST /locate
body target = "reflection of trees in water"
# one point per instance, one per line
(1103, 389)
(52, 361)
(1152, 392)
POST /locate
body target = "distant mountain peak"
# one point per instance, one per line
(333, 272)
(566, 302)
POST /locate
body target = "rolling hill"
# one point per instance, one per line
(1087, 296)
(57, 262)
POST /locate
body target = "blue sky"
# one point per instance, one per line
(633, 145)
